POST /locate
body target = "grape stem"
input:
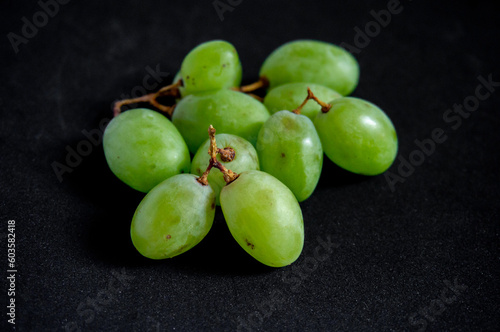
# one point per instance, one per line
(263, 82)
(310, 95)
(229, 176)
(169, 90)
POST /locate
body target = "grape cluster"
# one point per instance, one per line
(267, 157)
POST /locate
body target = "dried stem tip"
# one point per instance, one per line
(227, 154)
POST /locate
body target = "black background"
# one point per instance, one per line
(393, 251)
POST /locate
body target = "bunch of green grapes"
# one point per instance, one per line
(266, 158)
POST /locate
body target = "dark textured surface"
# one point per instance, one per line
(393, 252)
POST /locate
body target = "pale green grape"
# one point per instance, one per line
(264, 217)
(357, 136)
(289, 149)
(210, 66)
(231, 112)
(290, 96)
(245, 159)
(143, 148)
(312, 61)
(173, 217)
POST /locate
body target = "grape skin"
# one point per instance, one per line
(210, 66)
(289, 148)
(229, 111)
(264, 218)
(246, 159)
(312, 61)
(143, 148)
(290, 96)
(357, 136)
(173, 217)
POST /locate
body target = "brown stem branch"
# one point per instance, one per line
(310, 95)
(229, 176)
(324, 106)
(263, 82)
(151, 98)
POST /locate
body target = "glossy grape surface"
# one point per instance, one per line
(312, 61)
(173, 217)
(210, 66)
(264, 218)
(143, 148)
(290, 96)
(230, 112)
(289, 149)
(357, 136)
(245, 159)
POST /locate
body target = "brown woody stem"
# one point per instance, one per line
(229, 176)
(263, 82)
(324, 106)
(310, 95)
(169, 90)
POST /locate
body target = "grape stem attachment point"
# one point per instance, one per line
(310, 95)
(169, 90)
(229, 176)
(226, 154)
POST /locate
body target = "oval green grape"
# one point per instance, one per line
(357, 136)
(210, 66)
(289, 148)
(312, 61)
(290, 96)
(231, 112)
(264, 217)
(245, 159)
(143, 148)
(173, 217)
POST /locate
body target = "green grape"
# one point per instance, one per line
(357, 136)
(212, 65)
(231, 112)
(264, 218)
(289, 96)
(173, 217)
(289, 149)
(312, 61)
(245, 159)
(143, 148)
